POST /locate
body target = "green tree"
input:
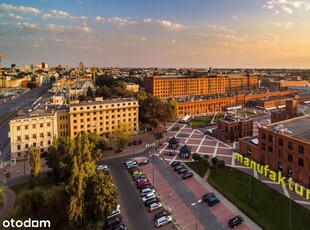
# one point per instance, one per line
(221, 164)
(196, 157)
(214, 161)
(121, 136)
(90, 92)
(35, 166)
(76, 190)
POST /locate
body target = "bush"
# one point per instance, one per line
(196, 157)
(221, 164)
(206, 156)
(214, 161)
(205, 161)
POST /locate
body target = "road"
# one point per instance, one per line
(9, 109)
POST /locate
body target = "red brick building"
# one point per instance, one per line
(233, 128)
(284, 146)
(289, 112)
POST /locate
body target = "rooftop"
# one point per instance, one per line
(109, 101)
(296, 127)
(278, 98)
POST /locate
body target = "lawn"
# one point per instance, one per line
(266, 207)
(199, 167)
(199, 121)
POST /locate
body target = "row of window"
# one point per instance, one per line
(107, 117)
(34, 144)
(280, 142)
(34, 136)
(34, 126)
(101, 106)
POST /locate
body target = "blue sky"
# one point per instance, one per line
(157, 33)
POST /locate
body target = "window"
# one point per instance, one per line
(264, 136)
(18, 147)
(41, 125)
(18, 127)
(280, 141)
(263, 146)
(34, 136)
(280, 153)
(270, 138)
(301, 149)
(26, 126)
(18, 138)
(301, 162)
(290, 157)
(290, 145)
(33, 126)
(48, 124)
(26, 137)
(48, 134)
(270, 149)
(41, 135)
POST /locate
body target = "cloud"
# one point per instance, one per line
(220, 28)
(62, 29)
(235, 17)
(143, 38)
(47, 16)
(15, 16)
(286, 5)
(163, 24)
(121, 21)
(26, 25)
(19, 9)
(173, 42)
(60, 14)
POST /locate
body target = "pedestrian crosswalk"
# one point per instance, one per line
(150, 145)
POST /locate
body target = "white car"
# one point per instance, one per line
(162, 221)
(155, 206)
(115, 212)
(147, 190)
(102, 167)
(148, 196)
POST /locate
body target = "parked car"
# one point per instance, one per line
(128, 160)
(206, 196)
(145, 162)
(145, 186)
(148, 196)
(155, 206)
(151, 201)
(147, 190)
(162, 221)
(182, 170)
(102, 167)
(235, 221)
(115, 212)
(119, 227)
(113, 221)
(143, 183)
(175, 163)
(213, 201)
(137, 173)
(187, 175)
(161, 213)
(139, 178)
(176, 168)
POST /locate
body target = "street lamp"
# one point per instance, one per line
(196, 210)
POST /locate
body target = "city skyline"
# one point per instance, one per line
(176, 33)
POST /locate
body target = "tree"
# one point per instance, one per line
(90, 92)
(214, 161)
(121, 136)
(76, 190)
(196, 157)
(35, 165)
(221, 164)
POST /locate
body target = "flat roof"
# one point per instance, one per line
(278, 98)
(108, 101)
(296, 127)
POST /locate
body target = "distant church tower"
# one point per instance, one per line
(81, 66)
(94, 74)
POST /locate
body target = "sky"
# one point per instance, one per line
(156, 33)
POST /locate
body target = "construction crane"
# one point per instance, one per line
(3, 78)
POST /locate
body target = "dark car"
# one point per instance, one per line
(182, 170)
(175, 163)
(206, 196)
(176, 168)
(161, 213)
(187, 175)
(235, 221)
(148, 202)
(143, 162)
(213, 201)
(113, 221)
(119, 227)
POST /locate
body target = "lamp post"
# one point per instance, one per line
(196, 210)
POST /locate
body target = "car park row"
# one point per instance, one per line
(148, 193)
